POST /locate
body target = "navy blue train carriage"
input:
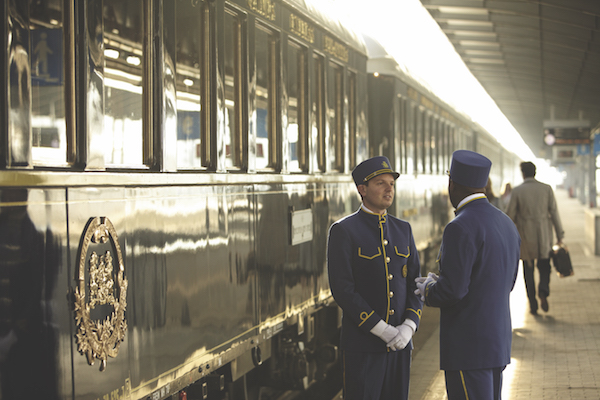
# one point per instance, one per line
(168, 174)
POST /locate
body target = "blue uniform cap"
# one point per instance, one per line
(371, 168)
(470, 169)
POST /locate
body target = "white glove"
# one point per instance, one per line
(423, 282)
(405, 333)
(384, 331)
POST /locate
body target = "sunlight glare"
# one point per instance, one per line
(411, 35)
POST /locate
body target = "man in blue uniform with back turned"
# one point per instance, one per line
(478, 262)
(373, 263)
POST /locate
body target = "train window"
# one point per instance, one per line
(234, 137)
(411, 161)
(48, 126)
(447, 151)
(467, 139)
(266, 89)
(296, 113)
(403, 127)
(352, 115)
(335, 114)
(122, 140)
(420, 141)
(443, 153)
(189, 81)
(427, 142)
(435, 146)
(318, 109)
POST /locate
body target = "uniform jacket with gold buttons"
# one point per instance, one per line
(372, 264)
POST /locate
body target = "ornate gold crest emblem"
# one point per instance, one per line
(385, 165)
(100, 331)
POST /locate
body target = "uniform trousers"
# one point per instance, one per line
(475, 384)
(543, 266)
(377, 376)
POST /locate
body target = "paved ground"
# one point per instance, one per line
(555, 355)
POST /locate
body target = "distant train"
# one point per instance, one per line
(168, 174)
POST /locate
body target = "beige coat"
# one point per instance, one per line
(533, 209)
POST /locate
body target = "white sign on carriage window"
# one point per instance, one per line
(302, 226)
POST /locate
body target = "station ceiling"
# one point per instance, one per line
(538, 59)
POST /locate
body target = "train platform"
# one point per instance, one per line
(555, 354)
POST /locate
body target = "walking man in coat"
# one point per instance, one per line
(478, 264)
(533, 208)
(373, 262)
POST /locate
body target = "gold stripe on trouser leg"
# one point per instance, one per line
(462, 378)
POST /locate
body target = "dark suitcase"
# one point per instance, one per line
(561, 260)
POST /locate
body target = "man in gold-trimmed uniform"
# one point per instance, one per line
(373, 263)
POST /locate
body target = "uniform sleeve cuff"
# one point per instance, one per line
(410, 323)
(378, 329)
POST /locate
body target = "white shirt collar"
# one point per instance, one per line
(470, 198)
(369, 211)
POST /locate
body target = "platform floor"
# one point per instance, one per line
(555, 355)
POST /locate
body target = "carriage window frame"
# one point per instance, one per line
(273, 64)
(198, 77)
(419, 140)
(43, 155)
(318, 112)
(239, 149)
(301, 77)
(18, 145)
(335, 86)
(427, 133)
(411, 141)
(402, 132)
(447, 150)
(441, 153)
(144, 52)
(352, 89)
(435, 130)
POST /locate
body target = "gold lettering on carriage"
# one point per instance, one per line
(336, 49)
(301, 28)
(101, 323)
(266, 8)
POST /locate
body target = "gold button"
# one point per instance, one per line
(385, 242)
(390, 277)
(392, 312)
(391, 294)
(387, 259)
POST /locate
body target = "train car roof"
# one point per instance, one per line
(380, 61)
(384, 63)
(312, 11)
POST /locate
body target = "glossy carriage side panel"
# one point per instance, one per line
(293, 277)
(285, 276)
(190, 260)
(85, 205)
(190, 282)
(34, 315)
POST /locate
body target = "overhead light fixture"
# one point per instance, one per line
(468, 22)
(478, 43)
(111, 53)
(134, 60)
(464, 10)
